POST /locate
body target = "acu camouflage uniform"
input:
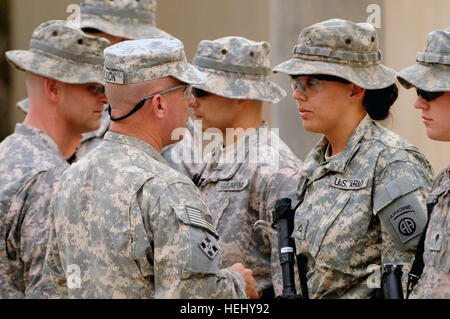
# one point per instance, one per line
(31, 163)
(125, 224)
(242, 191)
(366, 205)
(432, 73)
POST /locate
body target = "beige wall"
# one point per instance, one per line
(405, 24)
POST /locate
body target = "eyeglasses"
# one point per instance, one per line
(199, 93)
(427, 95)
(313, 83)
(96, 89)
(187, 94)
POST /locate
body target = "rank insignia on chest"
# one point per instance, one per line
(348, 183)
(231, 186)
(209, 247)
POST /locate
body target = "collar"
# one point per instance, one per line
(339, 162)
(136, 143)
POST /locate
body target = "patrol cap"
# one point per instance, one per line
(341, 48)
(432, 71)
(131, 19)
(62, 53)
(137, 61)
(237, 68)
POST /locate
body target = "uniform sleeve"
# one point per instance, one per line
(274, 187)
(28, 225)
(185, 245)
(399, 202)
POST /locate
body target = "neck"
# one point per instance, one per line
(339, 136)
(240, 125)
(66, 139)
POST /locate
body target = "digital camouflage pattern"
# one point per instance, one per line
(125, 225)
(180, 156)
(60, 52)
(341, 48)
(149, 59)
(239, 191)
(432, 71)
(435, 281)
(30, 165)
(364, 206)
(130, 19)
(237, 68)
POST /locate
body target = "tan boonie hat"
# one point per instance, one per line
(131, 19)
(62, 53)
(137, 61)
(341, 48)
(432, 71)
(237, 68)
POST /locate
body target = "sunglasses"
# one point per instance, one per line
(199, 93)
(313, 82)
(427, 95)
(96, 89)
(187, 94)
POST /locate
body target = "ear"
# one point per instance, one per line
(159, 107)
(357, 92)
(52, 89)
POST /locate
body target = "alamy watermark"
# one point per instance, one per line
(254, 146)
(375, 15)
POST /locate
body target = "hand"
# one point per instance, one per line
(250, 289)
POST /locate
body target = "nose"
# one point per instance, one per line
(299, 95)
(193, 102)
(103, 99)
(421, 103)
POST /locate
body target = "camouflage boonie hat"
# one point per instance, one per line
(24, 105)
(62, 53)
(138, 61)
(237, 68)
(432, 71)
(341, 48)
(131, 19)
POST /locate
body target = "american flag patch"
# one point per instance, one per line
(199, 218)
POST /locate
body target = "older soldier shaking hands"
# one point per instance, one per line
(124, 224)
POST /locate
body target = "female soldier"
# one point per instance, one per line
(364, 187)
(431, 79)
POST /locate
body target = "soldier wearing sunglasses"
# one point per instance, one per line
(431, 79)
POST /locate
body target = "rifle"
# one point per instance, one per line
(283, 221)
(391, 282)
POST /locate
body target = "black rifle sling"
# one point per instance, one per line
(418, 264)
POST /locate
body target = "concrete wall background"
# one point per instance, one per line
(404, 26)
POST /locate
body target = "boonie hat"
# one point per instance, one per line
(131, 19)
(138, 61)
(432, 71)
(62, 53)
(237, 68)
(341, 48)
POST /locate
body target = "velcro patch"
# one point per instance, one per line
(114, 77)
(350, 184)
(405, 223)
(199, 218)
(232, 186)
(209, 247)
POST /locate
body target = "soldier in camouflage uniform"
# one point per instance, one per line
(115, 21)
(431, 78)
(148, 235)
(364, 187)
(250, 170)
(64, 76)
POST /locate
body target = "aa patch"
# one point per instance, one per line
(199, 218)
(231, 186)
(405, 223)
(209, 247)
